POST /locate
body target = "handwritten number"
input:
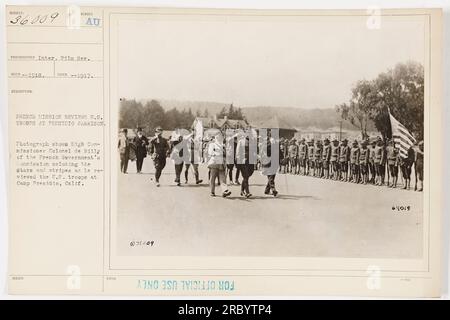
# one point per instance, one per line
(54, 16)
(36, 19)
(24, 20)
(16, 20)
(42, 20)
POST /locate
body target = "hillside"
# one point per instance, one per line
(299, 118)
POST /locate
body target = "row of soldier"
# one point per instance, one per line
(363, 162)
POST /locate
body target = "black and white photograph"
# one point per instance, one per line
(297, 136)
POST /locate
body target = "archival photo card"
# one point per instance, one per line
(213, 151)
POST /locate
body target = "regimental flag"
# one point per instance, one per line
(403, 139)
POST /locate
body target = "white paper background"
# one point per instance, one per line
(251, 4)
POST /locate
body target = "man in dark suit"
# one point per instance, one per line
(140, 142)
(159, 148)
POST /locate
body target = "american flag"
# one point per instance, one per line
(403, 139)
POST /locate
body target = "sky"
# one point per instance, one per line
(305, 62)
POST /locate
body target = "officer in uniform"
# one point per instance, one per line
(344, 157)
(364, 157)
(354, 162)
(159, 149)
(326, 156)
(334, 159)
(392, 154)
(302, 154)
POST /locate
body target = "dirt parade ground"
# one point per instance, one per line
(311, 217)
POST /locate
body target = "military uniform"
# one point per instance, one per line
(293, 153)
(419, 166)
(318, 159)
(392, 154)
(334, 159)
(371, 162)
(311, 157)
(378, 161)
(354, 162)
(406, 165)
(326, 156)
(344, 157)
(302, 156)
(364, 158)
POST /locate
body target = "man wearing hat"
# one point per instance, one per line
(364, 157)
(334, 159)
(344, 157)
(293, 153)
(392, 154)
(371, 161)
(177, 146)
(140, 143)
(310, 156)
(326, 156)
(269, 168)
(318, 159)
(419, 166)
(406, 166)
(378, 161)
(282, 155)
(159, 149)
(124, 150)
(354, 162)
(302, 154)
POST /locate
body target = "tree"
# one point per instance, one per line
(130, 113)
(399, 90)
(238, 115)
(222, 113)
(172, 118)
(153, 115)
(232, 113)
(358, 110)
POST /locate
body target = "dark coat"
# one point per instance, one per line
(140, 145)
